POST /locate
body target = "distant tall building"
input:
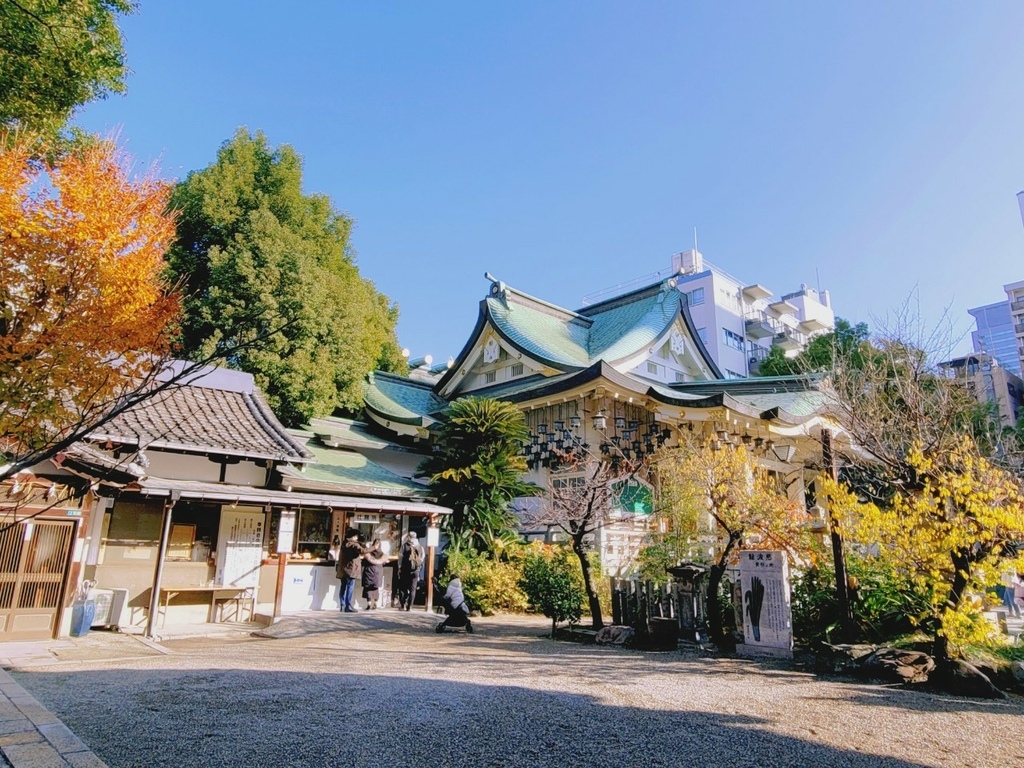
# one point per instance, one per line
(990, 383)
(1015, 303)
(738, 322)
(993, 334)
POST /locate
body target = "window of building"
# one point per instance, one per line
(680, 376)
(696, 296)
(733, 375)
(516, 369)
(653, 368)
(733, 340)
(490, 376)
(703, 333)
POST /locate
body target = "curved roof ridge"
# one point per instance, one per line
(625, 298)
(500, 290)
(274, 428)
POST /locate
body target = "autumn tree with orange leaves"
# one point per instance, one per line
(86, 316)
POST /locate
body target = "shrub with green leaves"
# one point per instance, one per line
(886, 604)
(491, 585)
(553, 583)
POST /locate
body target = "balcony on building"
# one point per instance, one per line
(756, 356)
(788, 339)
(759, 325)
(783, 307)
(756, 292)
(813, 325)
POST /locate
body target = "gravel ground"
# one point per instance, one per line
(382, 689)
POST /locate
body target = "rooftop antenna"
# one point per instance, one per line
(817, 279)
(695, 240)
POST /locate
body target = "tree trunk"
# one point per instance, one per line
(588, 584)
(716, 630)
(847, 624)
(554, 626)
(961, 566)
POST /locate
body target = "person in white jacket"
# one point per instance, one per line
(455, 606)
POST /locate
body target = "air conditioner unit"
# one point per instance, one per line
(109, 607)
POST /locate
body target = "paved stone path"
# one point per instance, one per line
(381, 689)
(32, 737)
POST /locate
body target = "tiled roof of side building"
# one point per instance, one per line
(346, 471)
(400, 398)
(202, 419)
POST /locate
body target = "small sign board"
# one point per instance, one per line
(767, 614)
(433, 536)
(286, 532)
(367, 518)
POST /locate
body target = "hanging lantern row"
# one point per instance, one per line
(556, 444)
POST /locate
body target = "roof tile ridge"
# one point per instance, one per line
(507, 292)
(403, 379)
(627, 298)
(272, 426)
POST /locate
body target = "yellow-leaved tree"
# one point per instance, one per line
(86, 318)
(721, 499)
(952, 533)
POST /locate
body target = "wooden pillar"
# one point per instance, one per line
(158, 573)
(282, 561)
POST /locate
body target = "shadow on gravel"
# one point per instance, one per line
(228, 717)
(923, 699)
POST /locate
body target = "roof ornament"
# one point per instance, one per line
(498, 289)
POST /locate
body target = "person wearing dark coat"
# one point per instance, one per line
(373, 573)
(410, 560)
(349, 569)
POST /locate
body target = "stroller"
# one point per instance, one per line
(455, 607)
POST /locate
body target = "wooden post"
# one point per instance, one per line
(158, 574)
(838, 556)
(282, 561)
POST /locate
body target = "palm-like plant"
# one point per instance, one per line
(476, 469)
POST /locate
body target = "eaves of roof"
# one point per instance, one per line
(223, 492)
(400, 399)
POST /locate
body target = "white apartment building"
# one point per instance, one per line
(738, 322)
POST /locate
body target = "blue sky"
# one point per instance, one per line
(874, 148)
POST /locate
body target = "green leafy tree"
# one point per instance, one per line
(551, 581)
(846, 341)
(254, 253)
(476, 469)
(56, 56)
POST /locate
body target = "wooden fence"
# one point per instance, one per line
(664, 612)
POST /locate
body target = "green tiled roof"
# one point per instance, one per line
(346, 432)
(622, 329)
(550, 336)
(401, 399)
(805, 403)
(348, 472)
(609, 331)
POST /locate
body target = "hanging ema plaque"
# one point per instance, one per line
(767, 617)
